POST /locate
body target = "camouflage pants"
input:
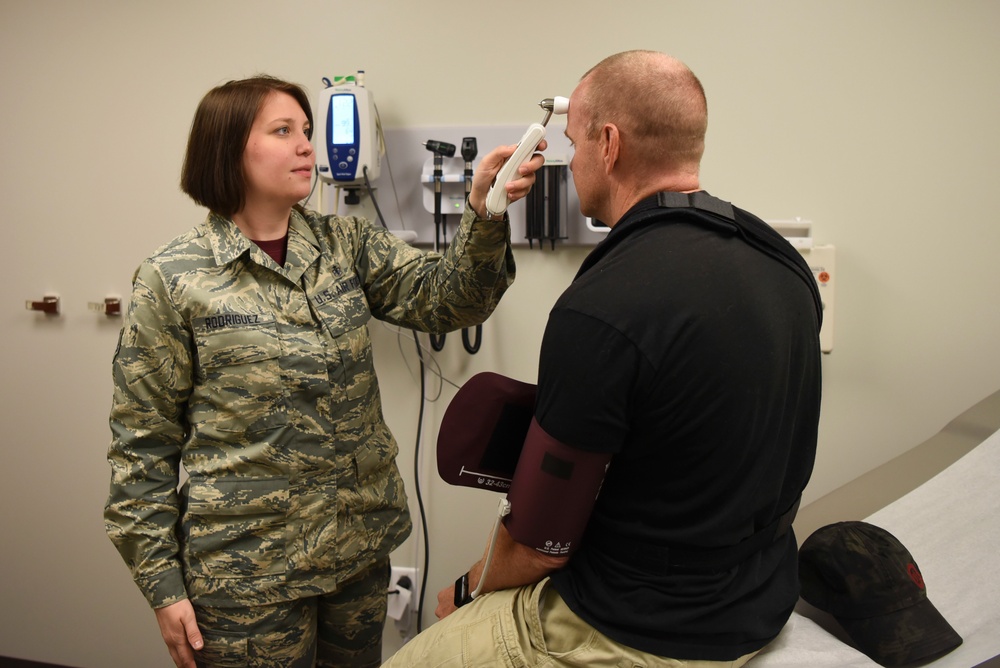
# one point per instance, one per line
(342, 629)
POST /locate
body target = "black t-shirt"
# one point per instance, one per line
(693, 356)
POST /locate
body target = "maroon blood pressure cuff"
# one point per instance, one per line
(553, 493)
(483, 430)
(489, 439)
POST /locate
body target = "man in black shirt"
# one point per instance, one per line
(685, 358)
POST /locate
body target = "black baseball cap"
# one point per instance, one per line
(863, 576)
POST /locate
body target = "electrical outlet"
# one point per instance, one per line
(399, 573)
(403, 610)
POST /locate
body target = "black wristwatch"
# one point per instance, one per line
(462, 593)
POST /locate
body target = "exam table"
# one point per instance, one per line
(949, 522)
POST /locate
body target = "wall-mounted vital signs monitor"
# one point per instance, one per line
(347, 134)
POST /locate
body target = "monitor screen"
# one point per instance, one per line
(342, 115)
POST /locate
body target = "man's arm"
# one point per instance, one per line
(552, 495)
(513, 565)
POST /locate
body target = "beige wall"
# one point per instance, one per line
(878, 121)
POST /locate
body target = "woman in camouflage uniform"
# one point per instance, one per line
(245, 358)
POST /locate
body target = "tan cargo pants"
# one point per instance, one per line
(523, 628)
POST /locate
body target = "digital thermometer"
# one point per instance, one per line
(347, 135)
(496, 199)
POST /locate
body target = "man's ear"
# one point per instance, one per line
(610, 146)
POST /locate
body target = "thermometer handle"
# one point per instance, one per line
(496, 198)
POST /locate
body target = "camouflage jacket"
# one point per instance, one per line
(259, 380)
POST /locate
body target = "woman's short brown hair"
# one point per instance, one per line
(213, 164)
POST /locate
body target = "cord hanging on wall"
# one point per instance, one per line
(546, 206)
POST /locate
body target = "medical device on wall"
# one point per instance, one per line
(546, 204)
(496, 198)
(347, 139)
(821, 260)
(409, 155)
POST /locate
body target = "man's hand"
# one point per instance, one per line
(446, 602)
(488, 168)
(513, 565)
(180, 632)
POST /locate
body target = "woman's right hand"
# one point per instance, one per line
(180, 631)
(490, 166)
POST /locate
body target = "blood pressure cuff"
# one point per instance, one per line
(483, 430)
(553, 493)
(490, 440)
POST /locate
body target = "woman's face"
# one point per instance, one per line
(278, 159)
